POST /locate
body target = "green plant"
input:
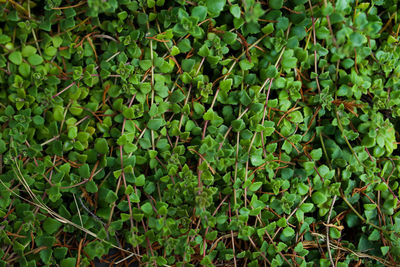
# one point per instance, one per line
(205, 132)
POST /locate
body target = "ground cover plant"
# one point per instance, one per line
(199, 133)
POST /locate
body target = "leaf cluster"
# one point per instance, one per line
(208, 132)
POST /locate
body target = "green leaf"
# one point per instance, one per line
(142, 18)
(335, 233)
(4, 39)
(84, 171)
(177, 96)
(212, 235)
(235, 11)
(257, 160)
(54, 193)
(288, 232)
(245, 64)
(275, 4)
(296, 117)
(215, 6)
(51, 226)
(147, 208)
(155, 124)
(271, 72)
(226, 85)
(199, 12)
(68, 262)
(269, 128)
(175, 51)
(38, 120)
(188, 64)
(204, 51)
(129, 113)
(255, 186)
(229, 38)
(3, 147)
(238, 125)
(385, 250)
(161, 261)
(45, 255)
(72, 132)
(94, 249)
(306, 207)
(302, 189)
(57, 41)
(145, 64)
(111, 197)
(117, 174)
(357, 39)
(316, 154)
(50, 51)
(15, 57)
(245, 98)
(101, 146)
(288, 60)
(318, 198)
(24, 69)
(268, 29)
(60, 252)
(140, 180)
(35, 59)
(209, 115)
(28, 51)
(184, 46)
(91, 186)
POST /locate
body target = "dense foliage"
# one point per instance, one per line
(203, 132)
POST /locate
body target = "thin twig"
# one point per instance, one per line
(327, 232)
